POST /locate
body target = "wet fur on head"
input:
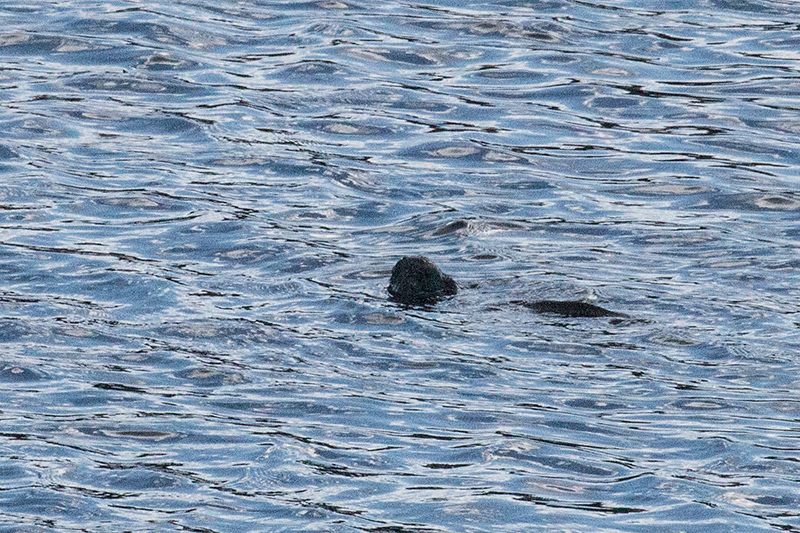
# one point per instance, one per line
(418, 281)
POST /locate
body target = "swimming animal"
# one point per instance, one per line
(418, 281)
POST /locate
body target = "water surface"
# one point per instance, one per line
(201, 202)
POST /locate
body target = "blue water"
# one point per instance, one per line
(201, 203)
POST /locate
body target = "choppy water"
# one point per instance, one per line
(201, 202)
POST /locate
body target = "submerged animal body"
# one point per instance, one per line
(418, 281)
(568, 308)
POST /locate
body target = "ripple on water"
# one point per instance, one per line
(314, 71)
(7, 153)
(382, 319)
(140, 434)
(701, 404)
(212, 377)
(423, 57)
(510, 75)
(164, 61)
(555, 348)
(20, 374)
(135, 85)
(12, 329)
(611, 103)
(137, 202)
(595, 404)
(133, 478)
(531, 458)
(348, 128)
(152, 125)
(753, 202)
(236, 332)
(460, 153)
(665, 189)
(21, 43)
(38, 128)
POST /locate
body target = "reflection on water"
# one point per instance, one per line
(201, 205)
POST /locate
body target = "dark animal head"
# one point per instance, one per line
(417, 281)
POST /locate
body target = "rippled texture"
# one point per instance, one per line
(200, 207)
